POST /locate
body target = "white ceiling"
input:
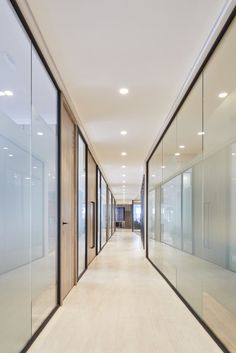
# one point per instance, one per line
(148, 46)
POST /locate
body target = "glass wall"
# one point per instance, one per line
(28, 186)
(98, 210)
(192, 193)
(136, 216)
(109, 214)
(103, 212)
(81, 206)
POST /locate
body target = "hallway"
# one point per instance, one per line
(122, 305)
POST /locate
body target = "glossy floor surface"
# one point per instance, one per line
(122, 305)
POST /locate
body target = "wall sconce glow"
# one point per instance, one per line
(123, 166)
(124, 91)
(123, 153)
(222, 94)
(200, 133)
(5, 148)
(10, 155)
(181, 146)
(123, 132)
(177, 154)
(8, 93)
(233, 153)
(163, 166)
(40, 133)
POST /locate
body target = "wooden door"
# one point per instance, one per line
(68, 201)
(92, 190)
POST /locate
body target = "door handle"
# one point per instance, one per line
(63, 223)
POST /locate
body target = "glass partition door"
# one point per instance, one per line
(82, 172)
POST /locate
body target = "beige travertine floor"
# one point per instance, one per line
(122, 305)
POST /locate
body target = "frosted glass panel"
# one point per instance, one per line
(98, 210)
(171, 212)
(28, 187)
(81, 207)
(104, 211)
(109, 215)
(44, 193)
(15, 128)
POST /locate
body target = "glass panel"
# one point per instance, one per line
(154, 204)
(171, 162)
(98, 211)
(187, 217)
(136, 216)
(81, 206)
(171, 212)
(44, 193)
(219, 244)
(109, 215)
(104, 211)
(15, 129)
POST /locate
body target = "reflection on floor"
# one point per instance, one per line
(209, 288)
(122, 305)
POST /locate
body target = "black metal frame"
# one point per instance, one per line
(199, 72)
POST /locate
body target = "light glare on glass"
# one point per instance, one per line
(124, 91)
(222, 94)
(8, 93)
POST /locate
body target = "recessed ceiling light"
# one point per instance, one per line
(177, 154)
(200, 133)
(5, 148)
(2, 94)
(123, 166)
(27, 178)
(181, 146)
(34, 167)
(124, 175)
(124, 91)
(10, 155)
(123, 132)
(123, 153)
(153, 175)
(163, 166)
(40, 133)
(222, 94)
(8, 93)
